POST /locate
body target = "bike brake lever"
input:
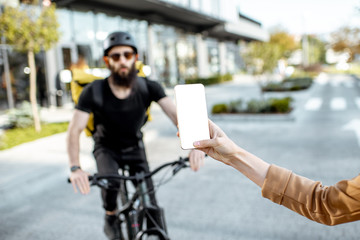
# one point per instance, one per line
(90, 179)
(179, 167)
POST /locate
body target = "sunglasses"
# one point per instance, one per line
(116, 56)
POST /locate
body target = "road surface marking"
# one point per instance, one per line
(313, 104)
(349, 84)
(335, 83)
(322, 79)
(338, 104)
(357, 101)
(355, 126)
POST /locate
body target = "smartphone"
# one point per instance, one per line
(192, 114)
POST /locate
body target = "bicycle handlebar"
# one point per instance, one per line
(181, 163)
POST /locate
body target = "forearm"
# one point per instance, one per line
(173, 117)
(221, 148)
(169, 108)
(251, 166)
(73, 148)
(76, 126)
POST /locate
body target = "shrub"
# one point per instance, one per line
(257, 106)
(289, 84)
(282, 105)
(272, 87)
(299, 83)
(210, 80)
(227, 77)
(220, 108)
(272, 105)
(21, 117)
(236, 106)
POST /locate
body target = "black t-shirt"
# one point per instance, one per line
(117, 121)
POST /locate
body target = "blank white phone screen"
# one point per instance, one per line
(191, 114)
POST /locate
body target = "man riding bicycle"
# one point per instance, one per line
(119, 105)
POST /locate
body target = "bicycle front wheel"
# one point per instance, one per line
(123, 198)
(152, 234)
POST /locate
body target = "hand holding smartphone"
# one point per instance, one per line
(191, 114)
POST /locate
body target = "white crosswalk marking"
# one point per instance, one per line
(350, 84)
(335, 83)
(322, 79)
(313, 104)
(338, 104)
(357, 101)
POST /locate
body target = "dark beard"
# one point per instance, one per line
(125, 80)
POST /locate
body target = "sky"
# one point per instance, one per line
(303, 16)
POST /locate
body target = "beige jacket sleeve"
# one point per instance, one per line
(327, 205)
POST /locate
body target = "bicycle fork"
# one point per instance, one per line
(132, 211)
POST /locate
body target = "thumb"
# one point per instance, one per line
(203, 143)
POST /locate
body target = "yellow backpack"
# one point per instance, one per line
(80, 78)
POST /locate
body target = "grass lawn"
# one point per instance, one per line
(16, 136)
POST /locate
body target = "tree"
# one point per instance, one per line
(317, 50)
(346, 39)
(30, 29)
(286, 42)
(262, 57)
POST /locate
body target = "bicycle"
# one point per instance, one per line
(137, 214)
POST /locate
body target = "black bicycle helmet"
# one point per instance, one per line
(118, 39)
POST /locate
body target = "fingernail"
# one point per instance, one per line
(196, 144)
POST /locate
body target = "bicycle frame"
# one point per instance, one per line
(135, 213)
(135, 209)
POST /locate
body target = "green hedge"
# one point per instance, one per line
(210, 80)
(271, 105)
(220, 108)
(289, 84)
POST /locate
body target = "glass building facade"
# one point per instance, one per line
(173, 53)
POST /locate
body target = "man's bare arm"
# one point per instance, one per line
(79, 178)
(76, 126)
(168, 106)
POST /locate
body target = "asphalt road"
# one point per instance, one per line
(320, 141)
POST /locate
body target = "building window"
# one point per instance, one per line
(65, 26)
(213, 54)
(186, 56)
